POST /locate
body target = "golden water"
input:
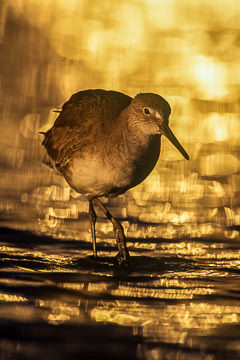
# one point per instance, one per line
(180, 297)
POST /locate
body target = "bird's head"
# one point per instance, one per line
(153, 112)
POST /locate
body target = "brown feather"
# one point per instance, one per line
(83, 116)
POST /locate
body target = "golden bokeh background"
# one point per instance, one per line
(182, 223)
(186, 51)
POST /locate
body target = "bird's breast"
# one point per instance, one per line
(111, 172)
(95, 176)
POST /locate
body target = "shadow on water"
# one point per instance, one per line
(39, 340)
(57, 302)
(36, 259)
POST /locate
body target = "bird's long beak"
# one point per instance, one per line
(171, 137)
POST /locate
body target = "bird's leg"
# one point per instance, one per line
(93, 218)
(123, 254)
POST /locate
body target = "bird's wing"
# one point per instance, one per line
(87, 114)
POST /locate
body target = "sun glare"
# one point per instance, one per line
(210, 76)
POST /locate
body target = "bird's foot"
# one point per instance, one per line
(93, 258)
(122, 260)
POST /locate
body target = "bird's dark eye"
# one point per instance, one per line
(146, 111)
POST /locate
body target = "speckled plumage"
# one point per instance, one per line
(82, 117)
(105, 142)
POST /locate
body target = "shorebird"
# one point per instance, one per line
(106, 142)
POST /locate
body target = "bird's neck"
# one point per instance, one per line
(138, 130)
(134, 135)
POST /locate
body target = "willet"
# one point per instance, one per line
(104, 143)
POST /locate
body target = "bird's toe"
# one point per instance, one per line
(122, 260)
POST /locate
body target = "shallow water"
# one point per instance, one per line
(179, 298)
